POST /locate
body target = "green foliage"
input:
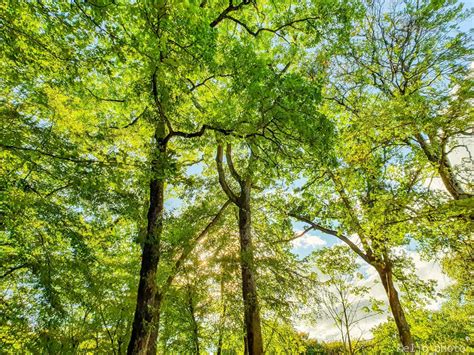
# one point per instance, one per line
(340, 111)
(449, 327)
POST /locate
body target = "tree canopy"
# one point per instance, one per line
(171, 169)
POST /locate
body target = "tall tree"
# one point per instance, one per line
(374, 195)
(410, 61)
(253, 338)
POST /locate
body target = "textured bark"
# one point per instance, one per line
(406, 339)
(153, 339)
(249, 290)
(222, 318)
(441, 161)
(253, 333)
(147, 288)
(194, 324)
(450, 182)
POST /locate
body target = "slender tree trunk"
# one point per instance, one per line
(406, 339)
(346, 320)
(222, 318)
(219, 344)
(153, 339)
(147, 288)
(194, 324)
(249, 290)
(445, 169)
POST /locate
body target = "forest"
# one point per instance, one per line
(236, 177)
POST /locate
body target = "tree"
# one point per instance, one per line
(342, 294)
(445, 330)
(399, 66)
(410, 61)
(375, 194)
(253, 339)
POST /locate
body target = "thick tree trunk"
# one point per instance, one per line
(145, 309)
(153, 340)
(406, 339)
(449, 180)
(254, 342)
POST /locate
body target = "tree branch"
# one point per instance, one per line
(104, 99)
(67, 158)
(230, 164)
(272, 30)
(13, 269)
(222, 180)
(228, 9)
(195, 86)
(131, 123)
(193, 243)
(325, 230)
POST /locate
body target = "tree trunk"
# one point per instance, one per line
(153, 340)
(406, 339)
(254, 342)
(147, 288)
(445, 170)
(346, 320)
(194, 324)
(222, 318)
(446, 173)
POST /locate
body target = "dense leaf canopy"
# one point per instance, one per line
(163, 163)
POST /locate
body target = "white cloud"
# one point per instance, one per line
(325, 330)
(431, 270)
(307, 241)
(461, 150)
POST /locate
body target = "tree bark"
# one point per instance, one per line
(145, 309)
(445, 170)
(194, 323)
(406, 338)
(447, 175)
(222, 318)
(346, 320)
(153, 339)
(249, 291)
(253, 333)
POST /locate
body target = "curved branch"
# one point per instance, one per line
(222, 181)
(197, 85)
(228, 9)
(341, 237)
(13, 269)
(51, 155)
(132, 122)
(272, 30)
(189, 248)
(103, 98)
(230, 164)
